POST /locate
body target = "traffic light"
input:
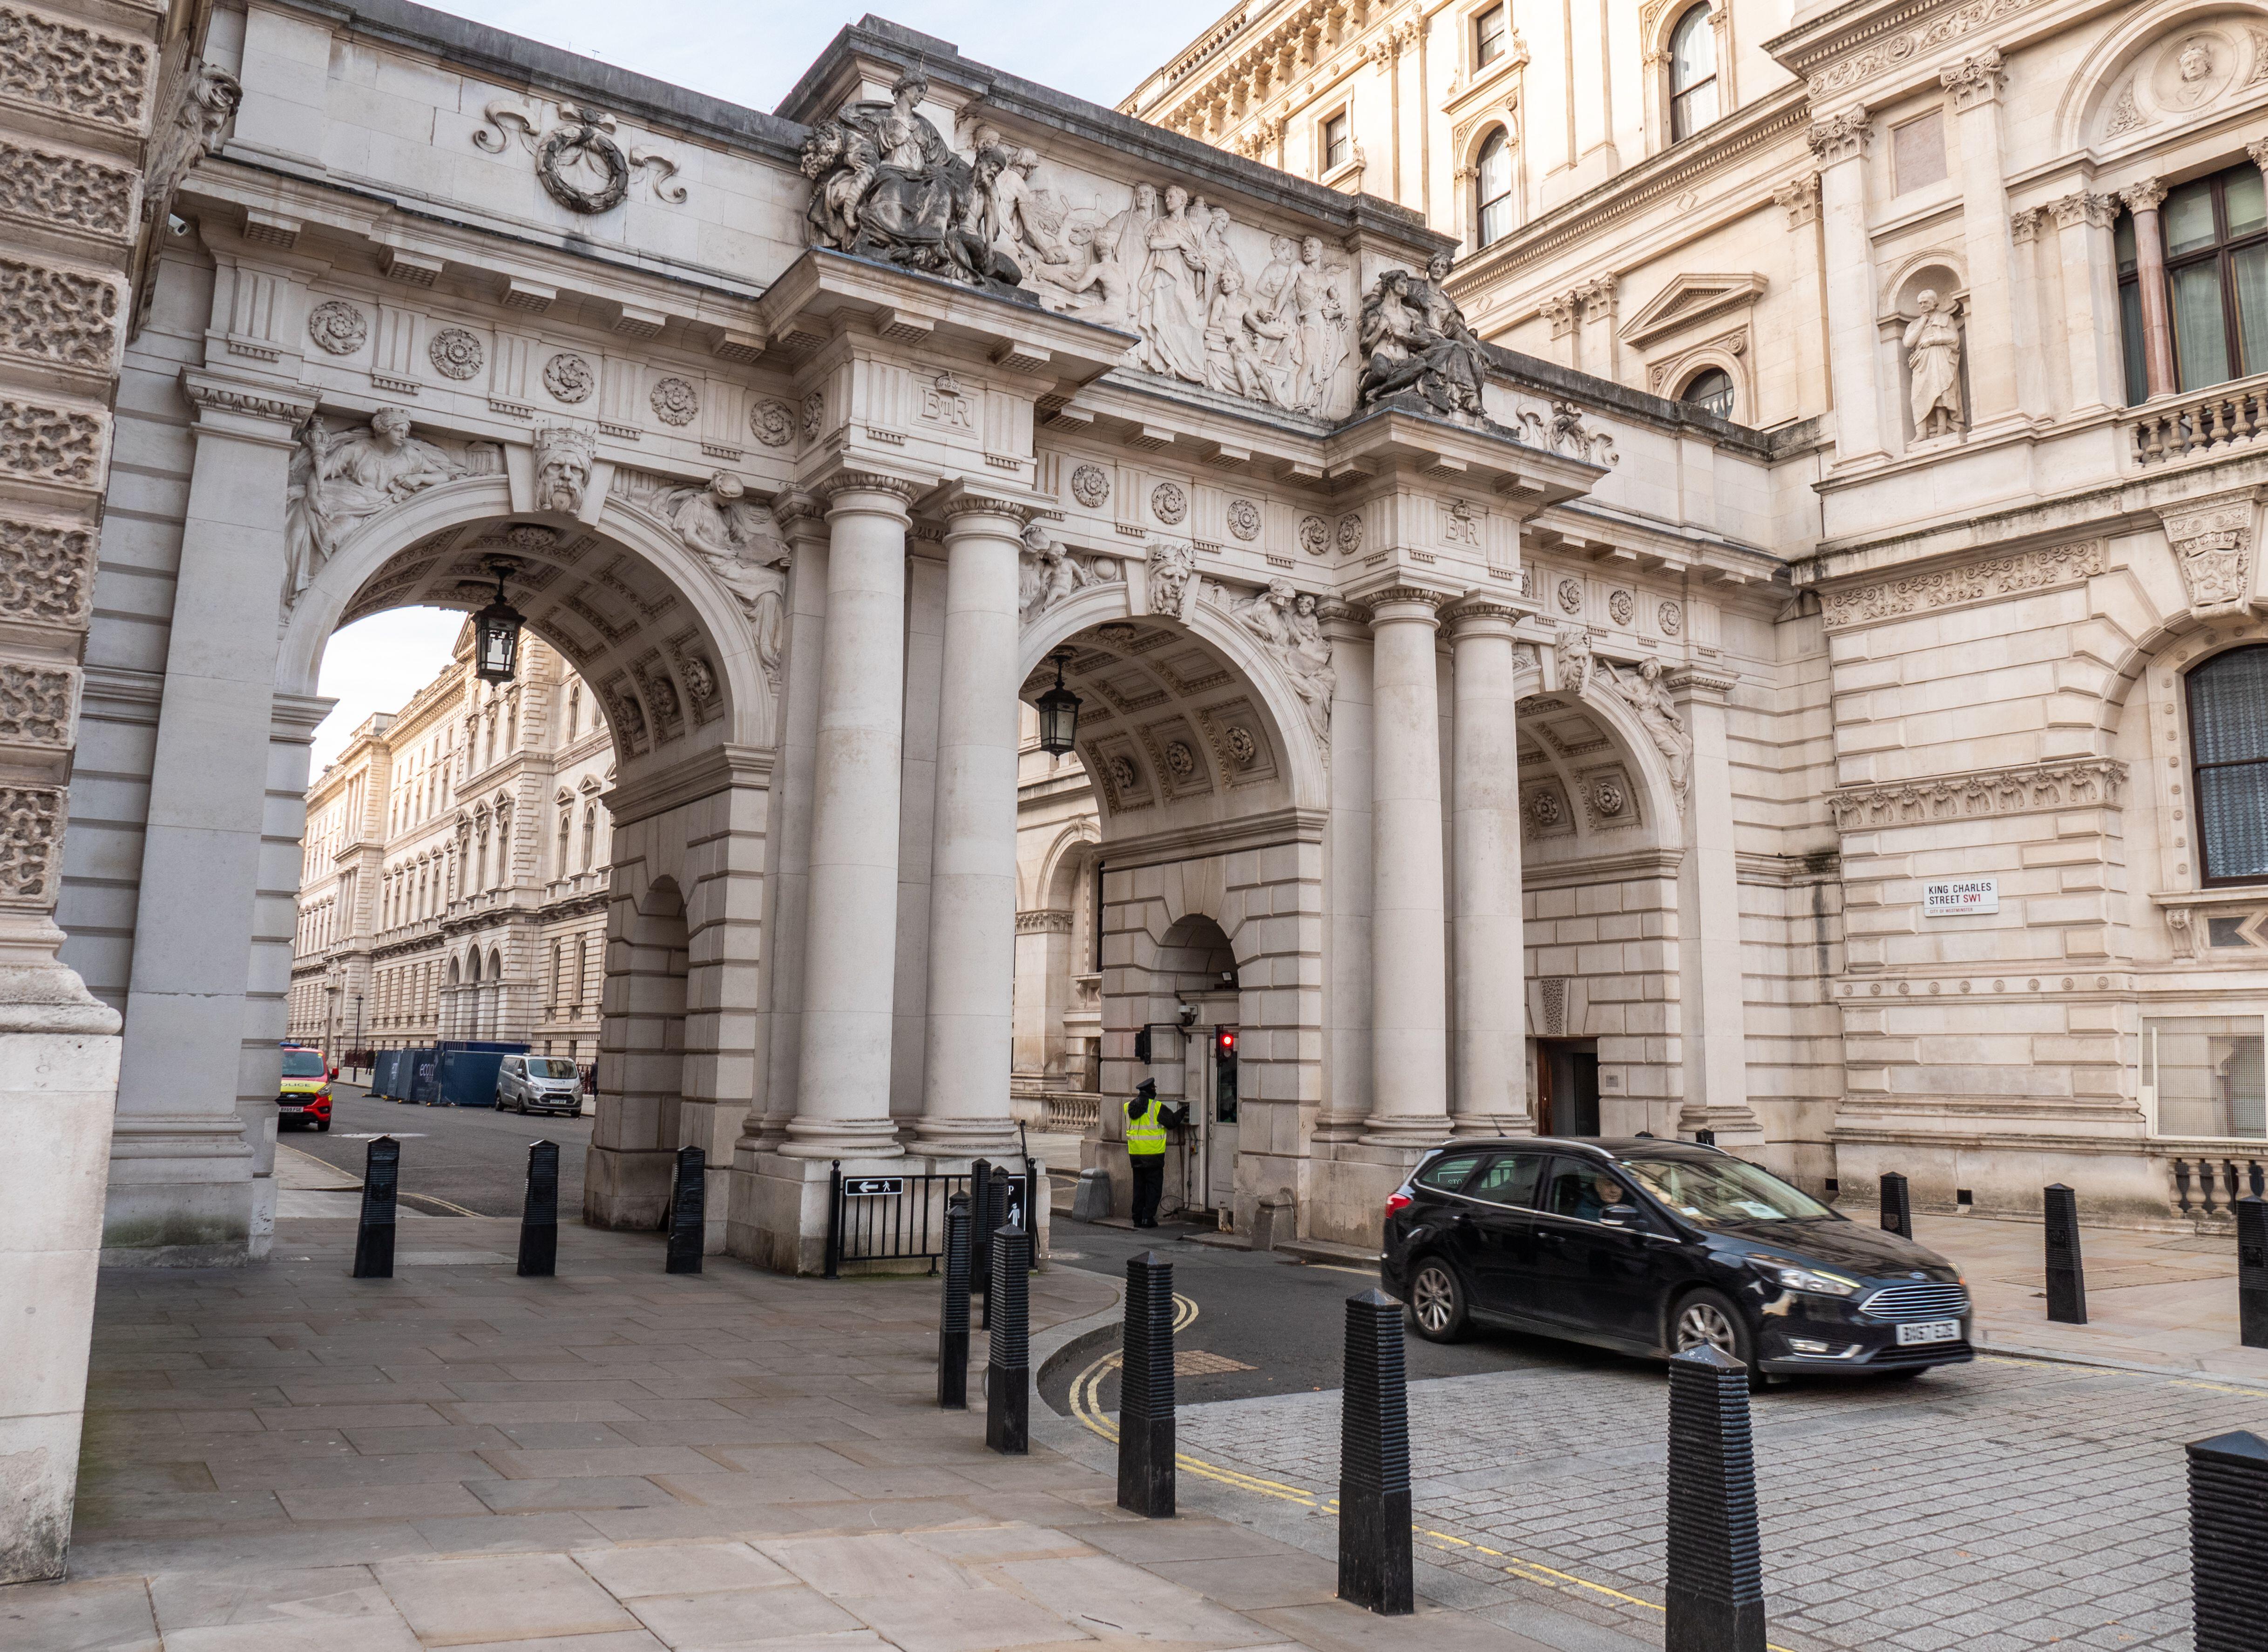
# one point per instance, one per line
(1142, 1046)
(1228, 1039)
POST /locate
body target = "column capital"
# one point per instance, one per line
(1975, 81)
(837, 486)
(796, 511)
(1483, 617)
(2095, 211)
(963, 502)
(1799, 197)
(2024, 225)
(1401, 603)
(1689, 682)
(2143, 194)
(247, 400)
(1836, 138)
(2257, 150)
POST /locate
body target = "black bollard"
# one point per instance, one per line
(953, 1324)
(1897, 1205)
(2067, 1277)
(980, 1235)
(539, 1217)
(687, 1227)
(381, 1175)
(1145, 1390)
(1008, 1377)
(2228, 1515)
(1715, 1590)
(2252, 1270)
(1375, 1555)
(992, 1216)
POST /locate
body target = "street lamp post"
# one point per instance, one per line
(356, 1045)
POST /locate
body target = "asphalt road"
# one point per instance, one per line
(1283, 1320)
(471, 1157)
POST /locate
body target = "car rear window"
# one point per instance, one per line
(1510, 1178)
(302, 1064)
(1448, 1173)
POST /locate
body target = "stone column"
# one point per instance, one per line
(2090, 298)
(2026, 301)
(842, 1096)
(1997, 333)
(1798, 198)
(1408, 991)
(193, 1072)
(1840, 142)
(1712, 1023)
(2142, 200)
(1489, 1087)
(972, 927)
(795, 726)
(1347, 904)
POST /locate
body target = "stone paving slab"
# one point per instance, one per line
(614, 1460)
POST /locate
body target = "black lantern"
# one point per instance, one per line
(495, 634)
(1058, 709)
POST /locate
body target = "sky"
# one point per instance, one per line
(751, 53)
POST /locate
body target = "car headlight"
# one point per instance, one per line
(1812, 1281)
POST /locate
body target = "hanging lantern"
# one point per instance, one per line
(496, 635)
(1058, 709)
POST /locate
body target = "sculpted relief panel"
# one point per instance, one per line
(340, 479)
(2184, 73)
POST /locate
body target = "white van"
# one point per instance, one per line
(539, 1084)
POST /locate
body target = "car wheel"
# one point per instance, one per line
(1709, 1319)
(324, 1126)
(1437, 1302)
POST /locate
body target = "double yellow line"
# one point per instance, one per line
(1086, 1407)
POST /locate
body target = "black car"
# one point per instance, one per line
(1652, 1247)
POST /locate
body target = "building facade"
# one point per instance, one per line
(456, 869)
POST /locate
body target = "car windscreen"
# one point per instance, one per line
(550, 1067)
(302, 1064)
(1714, 1191)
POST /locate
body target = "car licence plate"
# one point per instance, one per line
(1929, 1330)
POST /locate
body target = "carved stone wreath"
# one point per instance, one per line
(1169, 503)
(1314, 535)
(1124, 774)
(338, 327)
(1180, 759)
(1672, 618)
(1620, 607)
(575, 140)
(568, 378)
(1350, 532)
(772, 422)
(675, 401)
(1571, 597)
(1244, 518)
(1242, 746)
(1090, 485)
(455, 353)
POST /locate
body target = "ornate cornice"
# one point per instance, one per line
(1043, 923)
(2025, 572)
(1865, 40)
(2024, 789)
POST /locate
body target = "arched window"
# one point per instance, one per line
(1711, 391)
(574, 706)
(2228, 749)
(1692, 74)
(566, 826)
(1492, 186)
(589, 832)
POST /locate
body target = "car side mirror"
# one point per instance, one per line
(1621, 1216)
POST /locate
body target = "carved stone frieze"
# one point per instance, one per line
(47, 444)
(675, 402)
(31, 841)
(74, 70)
(2091, 782)
(1945, 587)
(46, 574)
(35, 704)
(455, 353)
(772, 423)
(1887, 53)
(1565, 432)
(1090, 485)
(570, 378)
(67, 192)
(58, 316)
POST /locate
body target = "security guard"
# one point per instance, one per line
(1146, 1120)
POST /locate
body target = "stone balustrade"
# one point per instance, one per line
(2225, 416)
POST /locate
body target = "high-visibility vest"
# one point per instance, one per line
(1145, 1131)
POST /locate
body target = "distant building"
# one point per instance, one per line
(456, 872)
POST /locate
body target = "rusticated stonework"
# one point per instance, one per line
(1948, 588)
(59, 315)
(2088, 783)
(66, 191)
(45, 443)
(35, 706)
(43, 573)
(30, 828)
(73, 70)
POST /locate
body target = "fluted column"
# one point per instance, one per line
(2142, 200)
(972, 891)
(842, 1095)
(1840, 143)
(1408, 990)
(1489, 1095)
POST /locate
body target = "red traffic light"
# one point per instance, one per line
(1228, 1041)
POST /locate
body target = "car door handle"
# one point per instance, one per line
(1550, 1238)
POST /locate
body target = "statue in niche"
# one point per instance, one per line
(563, 456)
(340, 480)
(886, 185)
(1932, 345)
(1170, 294)
(1286, 624)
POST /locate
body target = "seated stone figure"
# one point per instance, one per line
(1414, 337)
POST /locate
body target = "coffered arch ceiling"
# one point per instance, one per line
(619, 620)
(1172, 733)
(1582, 792)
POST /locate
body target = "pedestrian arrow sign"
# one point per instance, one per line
(873, 1186)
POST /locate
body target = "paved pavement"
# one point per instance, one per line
(453, 1158)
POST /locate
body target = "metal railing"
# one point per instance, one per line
(895, 1217)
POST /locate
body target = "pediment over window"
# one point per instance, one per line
(1687, 299)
